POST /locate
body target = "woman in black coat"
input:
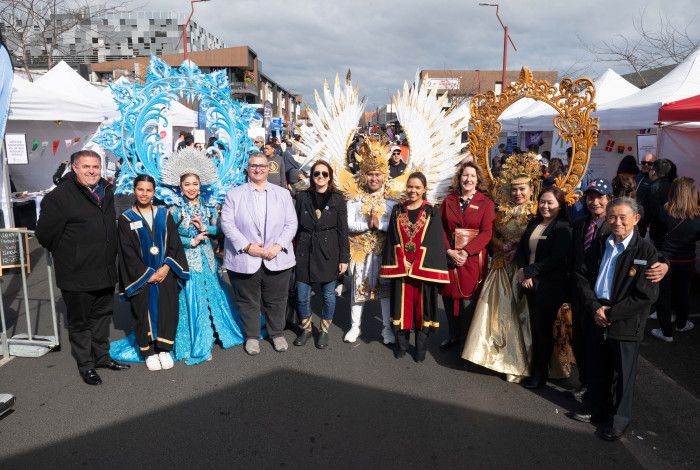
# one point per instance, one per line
(542, 260)
(322, 248)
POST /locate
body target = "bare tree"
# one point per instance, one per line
(39, 25)
(662, 42)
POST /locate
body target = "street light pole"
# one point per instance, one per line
(184, 27)
(506, 38)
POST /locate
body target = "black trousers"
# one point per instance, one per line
(674, 295)
(458, 326)
(263, 291)
(542, 317)
(89, 315)
(612, 384)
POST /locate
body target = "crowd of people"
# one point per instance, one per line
(527, 290)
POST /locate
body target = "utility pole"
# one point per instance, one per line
(506, 38)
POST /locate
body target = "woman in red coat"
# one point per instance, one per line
(467, 219)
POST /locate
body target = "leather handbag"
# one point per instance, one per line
(462, 236)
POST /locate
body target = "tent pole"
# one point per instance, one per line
(7, 209)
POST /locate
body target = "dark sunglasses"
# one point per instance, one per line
(320, 173)
(396, 153)
(648, 163)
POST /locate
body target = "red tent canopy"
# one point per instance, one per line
(687, 110)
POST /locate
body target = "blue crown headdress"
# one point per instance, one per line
(135, 138)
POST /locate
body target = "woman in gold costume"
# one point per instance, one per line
(499, 337)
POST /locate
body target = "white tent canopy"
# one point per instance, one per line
(609, 86)
(641, 110)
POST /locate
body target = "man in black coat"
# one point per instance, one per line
(615, 292)
(584, 231)
(77, 225)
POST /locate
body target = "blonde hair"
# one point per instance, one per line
(683, 199)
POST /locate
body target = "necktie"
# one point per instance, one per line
(590, 233)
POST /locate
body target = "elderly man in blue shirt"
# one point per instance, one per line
(617, 294)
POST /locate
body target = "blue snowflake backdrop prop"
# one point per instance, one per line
(134, 136)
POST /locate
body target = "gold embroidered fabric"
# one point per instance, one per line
(499, 337)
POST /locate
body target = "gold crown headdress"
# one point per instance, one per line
(373, 156)
(518, 169)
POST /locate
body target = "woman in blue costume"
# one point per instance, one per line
(206, 312)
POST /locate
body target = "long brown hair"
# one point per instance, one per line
(331, 181)
(683, 199)
(481, 184)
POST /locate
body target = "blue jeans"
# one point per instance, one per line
(304, 300)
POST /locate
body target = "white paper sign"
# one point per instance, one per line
(16, 149)
(199, 136)
(646, 143)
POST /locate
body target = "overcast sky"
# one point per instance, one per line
(384, 42)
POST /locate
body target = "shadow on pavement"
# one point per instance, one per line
(287, 419)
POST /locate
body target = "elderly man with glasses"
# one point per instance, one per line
(260, 222)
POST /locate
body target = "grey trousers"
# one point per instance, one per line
(263, 291)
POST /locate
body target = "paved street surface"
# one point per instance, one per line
(351, 406)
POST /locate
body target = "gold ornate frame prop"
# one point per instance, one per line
(573, 100)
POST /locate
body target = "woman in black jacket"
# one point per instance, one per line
(322, 248)
(679, 222)
(542, 260)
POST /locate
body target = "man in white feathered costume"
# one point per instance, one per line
(368, 220)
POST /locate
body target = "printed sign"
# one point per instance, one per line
(16, 149)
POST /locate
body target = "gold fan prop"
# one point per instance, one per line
(573, 100)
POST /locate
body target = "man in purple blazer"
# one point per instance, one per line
(259, 221)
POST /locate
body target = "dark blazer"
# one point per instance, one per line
(81, 235)
(632, 294)
(321, 244)
(551, 267)
(465, 280)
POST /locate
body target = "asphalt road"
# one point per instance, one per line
(350, 406)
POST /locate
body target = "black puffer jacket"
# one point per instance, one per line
(81, 235)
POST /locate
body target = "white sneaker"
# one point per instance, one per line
(280, 344)
(388, 335)
(657, 333)
(352, 334)
(166, 360)
(153, 363)
(689, 325)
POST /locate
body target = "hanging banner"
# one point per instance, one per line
(54, 146)
(16, 149)
(559, 146)
(646, 143)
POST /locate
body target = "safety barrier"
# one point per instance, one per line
(25, 344)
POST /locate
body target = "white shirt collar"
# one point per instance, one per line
(625, 242)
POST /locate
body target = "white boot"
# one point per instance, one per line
(153, 363)
(387, 331)
(356, 318)
(166, 360)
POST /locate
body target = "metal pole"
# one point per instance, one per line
(3, 334)
(52, 298)
(24, 286)
(505, 58)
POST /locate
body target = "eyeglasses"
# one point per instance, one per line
(258, 141)
(320, 173)
(648, 163)
(257, 166)
(396, 153)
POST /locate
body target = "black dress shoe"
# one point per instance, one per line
(303, 337)
(534, 382)
(419, 357)
(399, 353)
(113, 365)
(90, 377)
(611, 434)
(322, 342)
(448, 343)
(582, 417)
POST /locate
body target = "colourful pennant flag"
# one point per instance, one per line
(55, 146)
(69, 142)
(35, 144)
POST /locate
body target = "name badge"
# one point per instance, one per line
(472, 206)
(542, 237)
(640, 262)
(136, 225)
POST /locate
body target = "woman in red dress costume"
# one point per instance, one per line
(414, 260)
(467, 220)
